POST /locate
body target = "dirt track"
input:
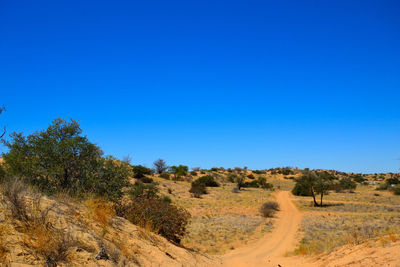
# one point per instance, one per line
(270, 250)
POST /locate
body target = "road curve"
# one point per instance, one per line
(271, 249)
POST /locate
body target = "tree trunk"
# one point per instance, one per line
(313, 195)
(322, 195)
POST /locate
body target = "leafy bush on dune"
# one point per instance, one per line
(165, 175)
(61, 159)
(197, 190)
(140, 171)
(207, 180)
(300, 189)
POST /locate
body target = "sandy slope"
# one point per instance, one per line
(270, 250)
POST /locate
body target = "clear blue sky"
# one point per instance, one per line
(211, 83)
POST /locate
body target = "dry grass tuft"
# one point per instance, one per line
(4, 250)
(41, 238)
(101, 211)
(14, 196)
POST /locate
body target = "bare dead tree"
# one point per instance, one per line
(3, 108)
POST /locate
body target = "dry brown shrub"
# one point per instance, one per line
(269, 208)
(14, 196)
(156, 215)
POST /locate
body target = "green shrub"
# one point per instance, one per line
(198, 189)
(146, 180)
(253, 184)
(140, 190)
(110, 178)
(251, 176)
(300, 189)
(262, 181)
(179, 171)
(396, 190)
(193, 173)
(392, 181)
(140, 171)
(347, 183)
(207, 180)
(383, 186)
(2, 174)
(166, 199)
(165, 176)
(60, 158)
(231, 178)
(358, 178)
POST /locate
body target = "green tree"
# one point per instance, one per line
(239, 179)
(179, 171)
(60, 158)
(316, 183)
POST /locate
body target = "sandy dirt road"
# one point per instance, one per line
(271, 249)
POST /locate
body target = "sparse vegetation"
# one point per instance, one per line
(269, 208)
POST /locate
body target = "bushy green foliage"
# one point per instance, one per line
(314, 182)
(60, 158)
(141, 190)
(56, 159)
(358, 178)
(394, 180)
(239, 180)
(198, 189)
(347, 183)
(110, 178)
(251, 176)
(396, 189)
(231, 178)
(140, 171)
(2, 174)
(301, 189)
(262, 182)
(179, 171)
(253, 184)
(207, 180)
(165, 176)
